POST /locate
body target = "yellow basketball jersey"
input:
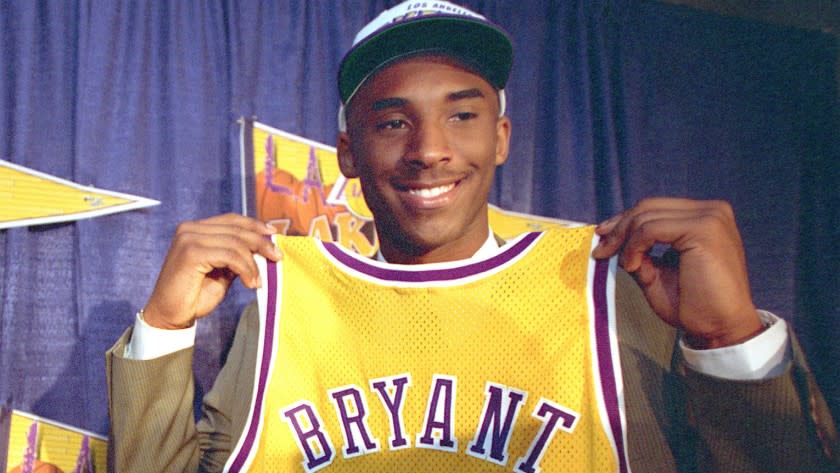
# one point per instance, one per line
(506, 363)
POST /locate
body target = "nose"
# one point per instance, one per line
(429, 146)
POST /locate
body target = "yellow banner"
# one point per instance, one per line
(29, 197)
(296, 185)
(36, 444)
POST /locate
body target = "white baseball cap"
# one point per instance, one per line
(426, 26)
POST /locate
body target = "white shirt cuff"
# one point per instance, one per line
(149, 342)
(764, 356)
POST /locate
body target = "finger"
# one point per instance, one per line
(613, 231)
(671, 203)
(254, 235)
(709, 224)
(608, 242)
(616, 231)
(650, 230)
(660, 287)
(608, 225)
(206, 252)
(653, 204)
(646, 273)
(230, 262)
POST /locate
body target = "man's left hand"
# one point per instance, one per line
(707, 292)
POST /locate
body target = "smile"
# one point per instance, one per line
(428, 193)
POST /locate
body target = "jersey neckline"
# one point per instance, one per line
(432, 272)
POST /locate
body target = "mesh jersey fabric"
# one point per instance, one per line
(508, 363)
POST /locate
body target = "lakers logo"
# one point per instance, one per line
(348, 193)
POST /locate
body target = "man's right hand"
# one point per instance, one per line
(203, 260)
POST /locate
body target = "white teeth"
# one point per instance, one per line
(433, 192)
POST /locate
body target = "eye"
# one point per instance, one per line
(394, 124)
(463, 116)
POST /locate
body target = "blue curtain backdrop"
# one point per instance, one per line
(611, 101)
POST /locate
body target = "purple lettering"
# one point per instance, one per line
(554, 417)
(440, 416)
(501, 408)
(352, 413)
(391, 391)
(314, 443)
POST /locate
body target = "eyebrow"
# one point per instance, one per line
(465, 94)
(396, 102)
(389, 102)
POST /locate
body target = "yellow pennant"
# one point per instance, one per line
(297, 186)
(29, 197)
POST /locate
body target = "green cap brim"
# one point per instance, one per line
(480, 45)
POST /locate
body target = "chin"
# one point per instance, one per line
(410, 241)
(419, 245)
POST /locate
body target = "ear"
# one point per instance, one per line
(502, 139)
(346, 161)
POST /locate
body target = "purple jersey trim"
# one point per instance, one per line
(265, 364)
(605, 359)
(430, 275)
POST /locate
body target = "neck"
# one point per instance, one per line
(452, 251)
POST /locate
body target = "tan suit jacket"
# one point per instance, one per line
(678, 420)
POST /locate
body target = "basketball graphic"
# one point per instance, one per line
(38, 467)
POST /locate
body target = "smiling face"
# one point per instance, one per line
(424, 138)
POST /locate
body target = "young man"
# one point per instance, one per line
(423, 127)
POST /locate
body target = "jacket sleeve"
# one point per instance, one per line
(778, 424)
(225, 408)
(153, 427)
(151, 412)
(710, 424)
